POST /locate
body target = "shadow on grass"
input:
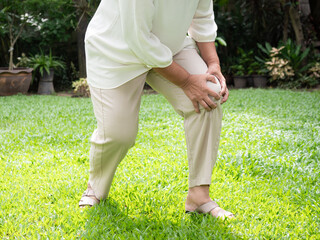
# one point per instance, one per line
(111, 221)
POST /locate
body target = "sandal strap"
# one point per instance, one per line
(207, 207)
(88, 193)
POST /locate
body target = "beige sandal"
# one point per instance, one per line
(208, 207)
(88, 199)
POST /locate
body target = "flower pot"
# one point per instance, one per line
(259, 81)
(229, 79)
(15, 81)
(249, 81)
(46, 83)
(240, 81)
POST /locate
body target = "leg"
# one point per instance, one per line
(116, 111)
(202, 130)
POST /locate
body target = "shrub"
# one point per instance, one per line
(41, 62)
(287, 65)
(314, 71)
(81, 88)
(279, 68)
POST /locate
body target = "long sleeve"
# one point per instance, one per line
(137, 17)
(203, 27)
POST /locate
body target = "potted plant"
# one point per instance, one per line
(13, 79)
(260, 80)
(258, 73)
(239, 76)
(45, 66)
(241, 68)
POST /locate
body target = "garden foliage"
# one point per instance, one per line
(54, 24)
(289, 65)
(47, 24)
(81, 88)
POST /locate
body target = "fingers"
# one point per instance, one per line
(224, 90)
(214, 94)
(210, 104)
(207, 104)
(211, 78)
(196, 106)
(201, 91)
(223, 85)
(225, 96)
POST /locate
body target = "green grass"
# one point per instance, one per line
(267, 172)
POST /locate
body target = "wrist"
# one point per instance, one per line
(185, 82)
(214, 65)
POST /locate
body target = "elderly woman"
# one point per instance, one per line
(170, 45)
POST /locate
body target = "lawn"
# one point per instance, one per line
(267, 172)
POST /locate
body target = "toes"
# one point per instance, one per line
(221, 213)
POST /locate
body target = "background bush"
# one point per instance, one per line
(242, 24)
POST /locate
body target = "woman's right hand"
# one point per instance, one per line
(195, 87)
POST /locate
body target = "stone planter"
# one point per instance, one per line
(16, 81)
(259, 81)
(46, 83)
(240, 81)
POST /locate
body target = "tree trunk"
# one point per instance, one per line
(82, 7)
(13, 40)
(11, 46)
(4, 48)
(11, 58)
(315, 13)
(285, 23)
(296, 24)
(305, 8)
(81, 31)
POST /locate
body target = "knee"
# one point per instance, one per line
(119, 137)
(216, 87)
(124, 137)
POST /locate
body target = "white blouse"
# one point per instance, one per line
(126, 38)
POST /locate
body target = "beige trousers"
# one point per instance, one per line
(117, 111)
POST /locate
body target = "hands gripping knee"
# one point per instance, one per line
(203, 90)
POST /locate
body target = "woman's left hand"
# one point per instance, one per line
(214, 69)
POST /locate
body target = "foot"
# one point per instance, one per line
(198, 200)
(88, 198)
